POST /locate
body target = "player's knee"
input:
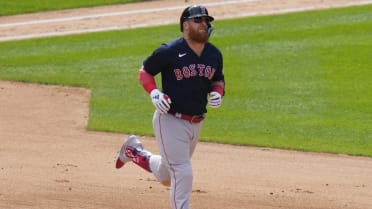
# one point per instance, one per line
(186, 174)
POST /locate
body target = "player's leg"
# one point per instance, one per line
(176, 141)
(159, 169)
(196, 129)
(132, 150)
(182, 178)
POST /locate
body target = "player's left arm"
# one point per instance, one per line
(218, 86)
(216, 94)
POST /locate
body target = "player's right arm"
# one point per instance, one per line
(160, 100)
(147, 80)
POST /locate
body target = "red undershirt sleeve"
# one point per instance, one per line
(146, 80)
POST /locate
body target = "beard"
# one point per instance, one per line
(200, 36)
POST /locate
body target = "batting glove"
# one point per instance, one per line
(215, 99)
(160, 100)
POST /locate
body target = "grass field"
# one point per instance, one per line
(29, 6)
(295, 81)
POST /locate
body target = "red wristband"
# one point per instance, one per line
(219, 89)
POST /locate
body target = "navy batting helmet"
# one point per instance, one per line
(194, 11)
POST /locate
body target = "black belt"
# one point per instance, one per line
(190, 118)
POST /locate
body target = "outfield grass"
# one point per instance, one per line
(29, 6)
(295, 81)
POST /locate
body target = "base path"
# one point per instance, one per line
(48, 160)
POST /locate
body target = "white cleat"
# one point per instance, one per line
(125, 154)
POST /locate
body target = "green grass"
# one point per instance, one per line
(29, 6)
(295, 81)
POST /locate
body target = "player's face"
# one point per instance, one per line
(198, 30)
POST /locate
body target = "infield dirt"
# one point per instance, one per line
(49, 160)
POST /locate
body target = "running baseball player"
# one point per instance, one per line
(192, 76)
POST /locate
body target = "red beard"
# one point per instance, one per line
(200, 36)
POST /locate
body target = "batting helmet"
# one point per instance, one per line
(194, 11)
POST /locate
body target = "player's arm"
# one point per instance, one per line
(160, 100)
(216, 93)
(147, 80)
(218, 86)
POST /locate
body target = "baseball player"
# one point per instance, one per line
(192, 77)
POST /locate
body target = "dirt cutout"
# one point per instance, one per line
(49, 160)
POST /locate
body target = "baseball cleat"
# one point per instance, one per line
(125, 154)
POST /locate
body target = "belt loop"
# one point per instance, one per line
(178, 115)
